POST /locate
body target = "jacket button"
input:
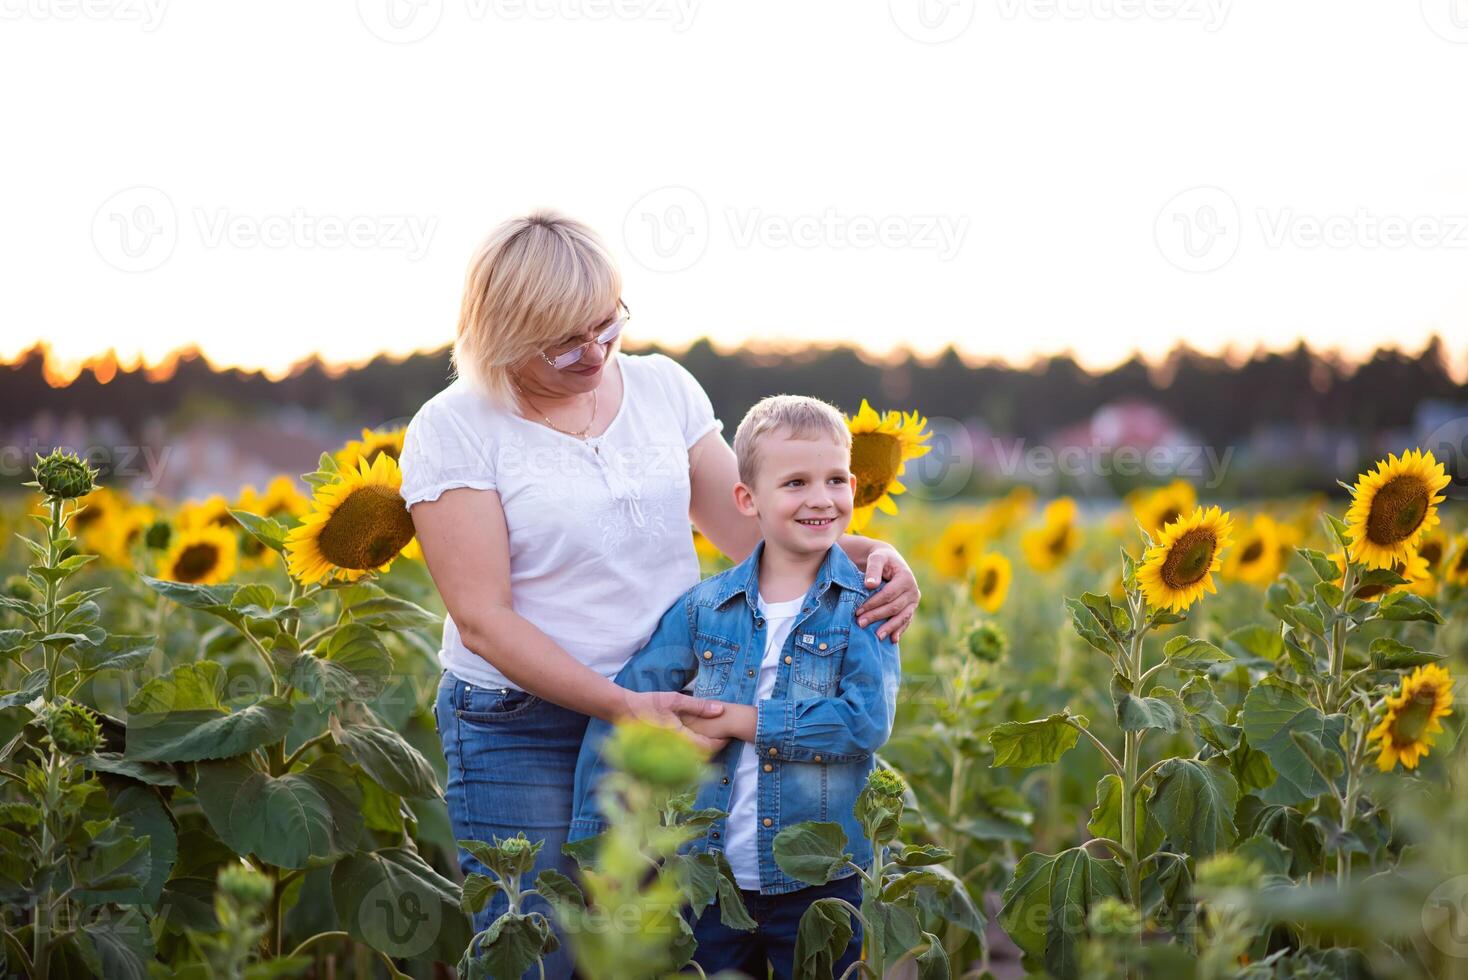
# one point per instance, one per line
(768, 822)
(769, 768)
(773, 751)
(822, 646)
(725, 780)
(751, 673)
(715, 835)
(787, 660)
(818, 758)
(708, 655)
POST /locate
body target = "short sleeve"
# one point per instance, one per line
(690, 401)
(440, 453)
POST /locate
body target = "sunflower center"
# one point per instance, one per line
(1412, 718)
(989, 582)
(1461, 565)
(1189, 559)
(1056, 544)
(1433, 552)
(366, 530)
(1168, 516)
(1252, 552)
(1397, 510)
(875, 458)
(195, 562)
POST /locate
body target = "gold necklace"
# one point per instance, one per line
(581, 434)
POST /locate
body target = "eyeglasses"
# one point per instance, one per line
(566, 358)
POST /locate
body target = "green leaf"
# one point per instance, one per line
(1207, 716)
(116, 652)
(196, 734)
(394, 902)
(732, 912)
(479, 891)
(811, 851)
(1194, 802)
(351, 664)
(152, 773)
(1025, 909)
(267, 530)
(1325, 570)
(1272, 710)
(1191, 653)
(509, 947)
(31, 688)
(144, 817)
(824, 933)
(953, 903)
(920, 855)
(1032, 743)
(1390, 654)
(559, 890)
(1255, 643)
(1161, 710)
(391, 613)
(1106, 815)
(932, 963)
(287, 821)
(1408, 607)
(1077, 880)
(1089, 629)
(388, 758)
(113, 861)
(1305, 616)
(1329, 764)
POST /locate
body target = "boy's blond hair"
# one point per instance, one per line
(797, 416)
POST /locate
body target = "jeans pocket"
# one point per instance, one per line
(489, 706)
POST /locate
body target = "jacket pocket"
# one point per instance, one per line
(715, 657)
(818, 656)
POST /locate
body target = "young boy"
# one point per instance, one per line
(810, 694)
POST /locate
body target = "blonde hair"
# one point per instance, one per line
(532, 282)
(798, 416)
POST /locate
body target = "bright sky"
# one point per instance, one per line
(1017, 177)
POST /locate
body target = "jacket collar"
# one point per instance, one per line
(836, 569)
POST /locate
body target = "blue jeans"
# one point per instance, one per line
(511, 759)
(778, 916)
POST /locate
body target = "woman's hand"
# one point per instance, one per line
(897, 600)
(671, 708)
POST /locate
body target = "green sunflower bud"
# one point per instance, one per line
(63, 476)
(158, 535)
(1111, 917)
(20, 587)
(879, 804)
(659, 756)
(74, 729)
(985, 641)
(244, 886)
(1228, 871)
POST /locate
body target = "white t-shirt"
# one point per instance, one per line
(599, 533)
(741, 830)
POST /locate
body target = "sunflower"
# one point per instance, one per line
(373, 443)
(281, 501)
(1413, 717)
(95, 513)
(1393, 506)
(998, 516)
(212, 512)
(956, 548)
(356, 525)
(1053, 542)
(880, 448)
(1177, 570)
(1257, 558)
(125, 528)
(1287, 537)
(704, 548)
(992, 574)
(1155, 509)
(202, 555)
(1455, 570)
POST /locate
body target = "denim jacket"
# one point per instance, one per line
(830, 711)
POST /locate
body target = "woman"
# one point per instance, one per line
(551, 486)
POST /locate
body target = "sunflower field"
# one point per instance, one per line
(1150, 737)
